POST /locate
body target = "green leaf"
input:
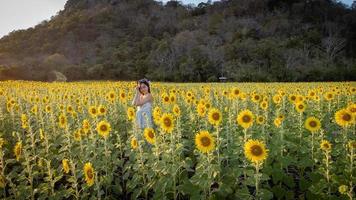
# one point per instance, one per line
(288, 180)
(265, 194)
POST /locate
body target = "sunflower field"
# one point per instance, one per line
(79, 140)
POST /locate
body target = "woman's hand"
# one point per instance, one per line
(137, 88)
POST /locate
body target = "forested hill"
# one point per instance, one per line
(244, 40)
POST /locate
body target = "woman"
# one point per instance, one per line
(143, 100)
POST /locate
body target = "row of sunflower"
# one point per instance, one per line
(220, 141)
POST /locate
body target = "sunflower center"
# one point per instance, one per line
(102, 110)
(103, 128)
(150, 134)
(90, 173)
(300, 106)
(353, 144)
(312, 123)
(346, 117)
(256, 150)
(326, 146)
(216, 116)
(167, 122)
(205, 141)
(246, 118)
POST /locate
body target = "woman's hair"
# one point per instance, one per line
(146, 82)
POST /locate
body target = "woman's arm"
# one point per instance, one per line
(144, 100)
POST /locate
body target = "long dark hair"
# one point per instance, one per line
(146, 82)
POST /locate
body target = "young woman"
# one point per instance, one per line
(143, 100)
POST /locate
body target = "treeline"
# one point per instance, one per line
(243, 40)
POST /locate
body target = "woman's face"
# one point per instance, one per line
(143, 88)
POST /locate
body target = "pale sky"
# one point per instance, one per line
(23, 14)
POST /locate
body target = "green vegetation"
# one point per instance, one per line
(245, 40)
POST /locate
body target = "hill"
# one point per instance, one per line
(244, 40)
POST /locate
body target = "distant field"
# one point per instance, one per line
(78, 140)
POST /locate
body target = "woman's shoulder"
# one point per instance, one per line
(149, 95)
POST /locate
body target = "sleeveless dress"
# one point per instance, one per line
(144, 115)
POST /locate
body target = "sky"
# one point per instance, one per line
(23, 14)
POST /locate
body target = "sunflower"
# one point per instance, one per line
(48, 109)
(325, 145)
(103, 128)
(292, 98)
(352, 90)
(34, 109)
(130, 113)
(300, 107)
(260, 120)
(256, 98)
(201, 110)
(165, 98)
(172, 98)
(166, 122)
(214, 117)
(18, 150)
(204, 141)
(134, 143)
(343, 189)
(207, 105)
(89, 173)
(70, 109)
(352, 108)
(344, 118)
(352, 145)
(277, 99)
(149, 134)
(329, 96)
(101, 110)
(300, 98)
(176, 110)
(264, 105)
(93, 111)
(122, 96)
(24, 121)
(278, 122)
(65, 165)
(255, 151)
(111, 95)
(245, 119)
(235, 92)
(86, 126)
(62, 121)
(77, 135)
(312, 124)
(157, 115)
